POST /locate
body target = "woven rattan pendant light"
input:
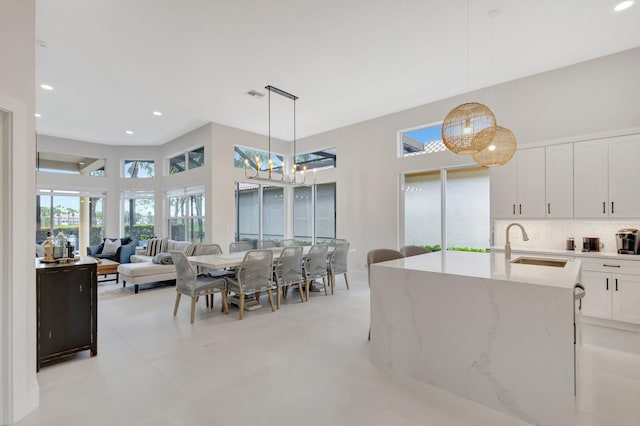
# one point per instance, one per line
(499, 151)
(468, 128)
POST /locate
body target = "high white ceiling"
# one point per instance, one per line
(113, 62)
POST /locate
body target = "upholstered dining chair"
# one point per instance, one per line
(376, 256)
(337, 241)
(289, 272)
(190, 284)
(265, 244)
(337, 263)
(315, 266)
(254, 275)
(289, 242)
(413, 250)
(237, 246)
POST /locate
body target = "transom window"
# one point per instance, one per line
(186, 161)
(324, 159)
(139, 169)
(425, 140)
(248, 157)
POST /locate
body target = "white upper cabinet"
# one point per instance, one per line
(504, 189)
(517, 188)
(604, 178)
(590, 177)
(531, 191)
(559, 181)
(624, 166)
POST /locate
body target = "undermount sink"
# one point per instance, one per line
(538, 261)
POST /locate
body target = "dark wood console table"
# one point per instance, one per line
(67, 309)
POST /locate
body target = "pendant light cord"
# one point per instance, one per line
(468, 43)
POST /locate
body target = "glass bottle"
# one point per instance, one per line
(48, 249)
(60, 247)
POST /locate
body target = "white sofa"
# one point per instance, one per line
(142, 270)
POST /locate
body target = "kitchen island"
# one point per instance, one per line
(495, 332)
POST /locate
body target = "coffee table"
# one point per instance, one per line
(107, 267)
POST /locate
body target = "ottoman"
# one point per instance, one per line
(144, 273)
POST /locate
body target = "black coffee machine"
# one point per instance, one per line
(628, 241)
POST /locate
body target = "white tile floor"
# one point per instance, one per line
(306, 364)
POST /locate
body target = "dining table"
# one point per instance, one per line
(233, 260)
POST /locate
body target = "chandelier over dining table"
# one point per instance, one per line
(297, 176)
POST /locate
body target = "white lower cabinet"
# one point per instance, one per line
(609, 295)
(626, 298)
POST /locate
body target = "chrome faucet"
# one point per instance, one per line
(507, 246)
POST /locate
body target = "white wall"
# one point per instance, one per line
(595, 96)
(18, 384)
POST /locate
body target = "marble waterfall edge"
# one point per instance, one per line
(507, 345)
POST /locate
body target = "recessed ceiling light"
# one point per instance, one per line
(37, 115)
(157, 113)
(623, 5)
(46, 87)
(129, 132)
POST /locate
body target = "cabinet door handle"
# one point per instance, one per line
(607, 287)
(604, 207)
(612, 208)
(610, 266)
(616, 284)
(514, 209)
(548, 208)
(520, 208)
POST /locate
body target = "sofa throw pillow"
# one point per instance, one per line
(163, 259)
(110, 247)
(155, 246)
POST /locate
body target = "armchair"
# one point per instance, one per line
(122, 255)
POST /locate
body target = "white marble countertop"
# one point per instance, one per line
(490, 266)
(576, 253)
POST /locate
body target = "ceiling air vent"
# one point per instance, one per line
(255, 94)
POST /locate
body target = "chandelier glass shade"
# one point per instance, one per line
(468, 128)
(499, 151)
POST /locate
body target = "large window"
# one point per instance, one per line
(464, 206)
(186, 161)
(259, 212)
(314, 213)
(138, 215)
(324, 159)
(425, 140)
(139, 169)
(250, 157)
(187, 214)
(71, 213)
(53, 162)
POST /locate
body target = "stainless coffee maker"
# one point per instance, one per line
(628, 241)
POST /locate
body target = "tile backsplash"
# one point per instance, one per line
(553, 234)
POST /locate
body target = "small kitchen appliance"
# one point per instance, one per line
(590, 244)
(628, 241)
